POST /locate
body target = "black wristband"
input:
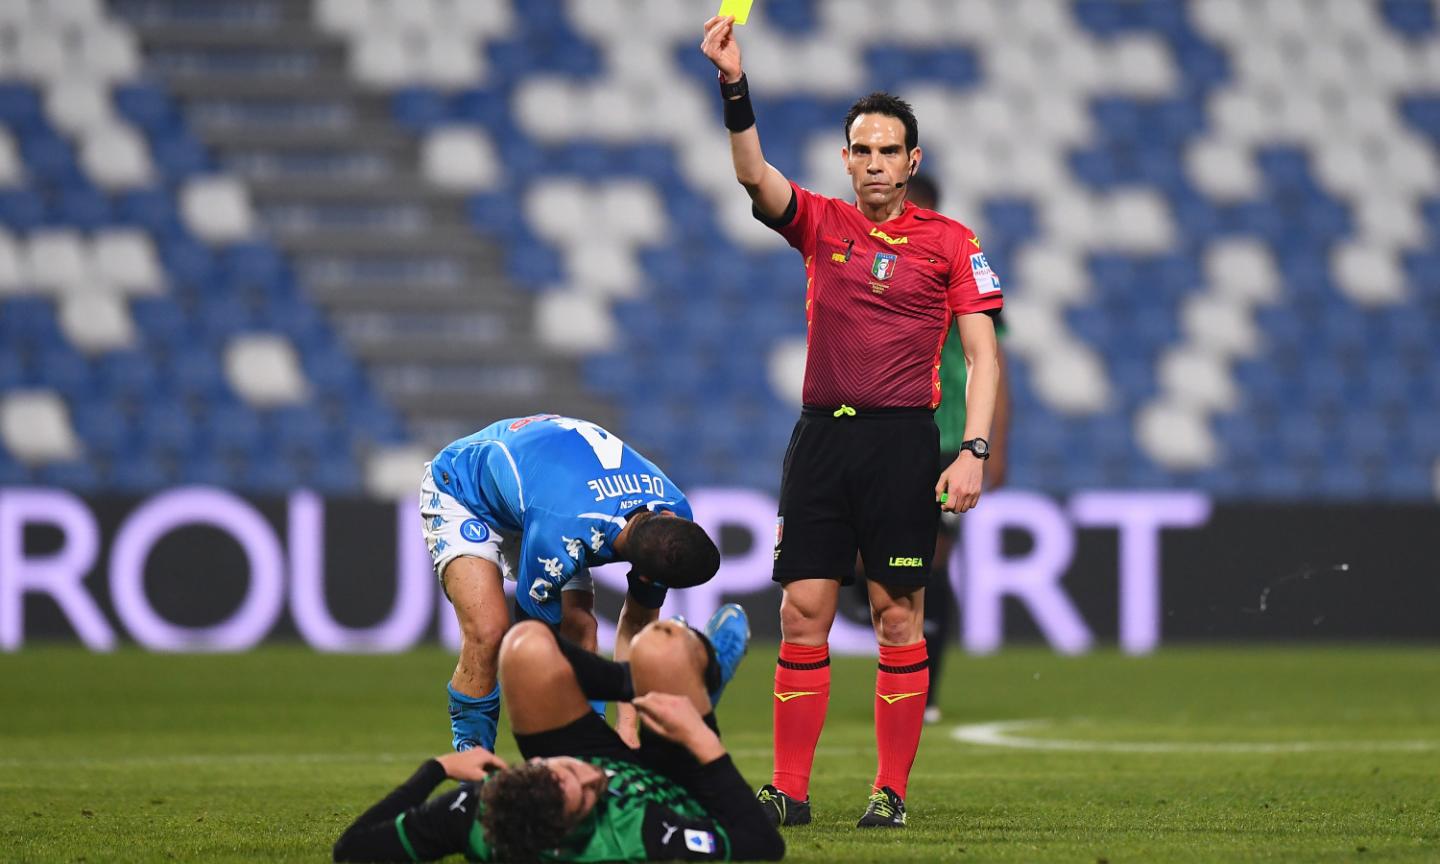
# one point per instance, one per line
(739, 114)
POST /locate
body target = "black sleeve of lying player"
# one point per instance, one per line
(737, 829)
(404, 826)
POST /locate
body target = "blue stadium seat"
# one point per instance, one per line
(140, 473)
(148, 107)
(179, 154)
(22, 209)
(1414, 21)
(418, 109)
(81, 205)
(81, 475)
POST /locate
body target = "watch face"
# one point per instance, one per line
(980, 447)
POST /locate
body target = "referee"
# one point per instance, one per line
(884, 280)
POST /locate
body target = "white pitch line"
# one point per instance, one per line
(240, 759)
(201, 759)
(1005, 734)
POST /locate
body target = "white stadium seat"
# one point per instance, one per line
(95, 323)
(1368, 274)
(1242, 268)
(451, 60)
(459, 158)
(384, 59)
(1221, 324)
(785, 369)
(1176, 436)
(1071, 378)
(217, 209)
(602, 266)
(265, 370)
(406, 16)
(116, 157)
(78, 106)
(58, 259)
(574, 322)
(559, 210)
(126, 259)
(35, 427)
(70, 12)
(109, 52)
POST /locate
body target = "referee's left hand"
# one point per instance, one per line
(960, 483)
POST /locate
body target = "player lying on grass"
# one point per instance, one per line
(583, 794)
(539, 500)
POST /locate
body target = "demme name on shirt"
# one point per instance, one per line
(618, 485)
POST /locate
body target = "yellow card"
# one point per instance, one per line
(739, 8)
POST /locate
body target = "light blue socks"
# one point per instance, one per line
(474, 721)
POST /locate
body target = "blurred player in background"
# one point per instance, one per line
(585, 795)
(539, 500)
(885, 279)
(940, 602)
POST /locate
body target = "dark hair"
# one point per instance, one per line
(923, 192)
(881, 102)
(524, 812)
(675, 552)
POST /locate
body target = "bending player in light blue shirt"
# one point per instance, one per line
(539, 500)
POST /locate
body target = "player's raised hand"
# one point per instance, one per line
(472, 764)
(721, 46)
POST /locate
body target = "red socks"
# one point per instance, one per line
(900, 687)
(802, 693)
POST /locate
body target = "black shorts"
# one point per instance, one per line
(591, 737)
(861, 483)
(588, 736)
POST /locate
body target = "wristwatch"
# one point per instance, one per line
(979, 446)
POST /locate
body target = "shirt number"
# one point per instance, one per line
(608, 448)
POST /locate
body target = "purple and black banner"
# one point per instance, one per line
(202, 569)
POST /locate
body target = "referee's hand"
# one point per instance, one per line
(721, 47)
(959, 487)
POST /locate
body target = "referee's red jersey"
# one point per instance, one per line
(879, 299)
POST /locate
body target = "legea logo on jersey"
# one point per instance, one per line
(474, 530)
(883, 267)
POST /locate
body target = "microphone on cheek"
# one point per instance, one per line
(901, 184)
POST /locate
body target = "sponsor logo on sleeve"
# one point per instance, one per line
(985, 279)
(474, 530)
(702, 842)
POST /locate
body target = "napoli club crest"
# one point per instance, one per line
(883, 267)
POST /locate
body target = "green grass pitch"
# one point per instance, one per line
(1219, 754)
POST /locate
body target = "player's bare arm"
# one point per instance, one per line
(768, 188)
(961, 482)
(998, 463)
(633, 618)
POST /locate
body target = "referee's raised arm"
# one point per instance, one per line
(768, 188)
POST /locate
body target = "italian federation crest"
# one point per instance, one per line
(883, 267)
